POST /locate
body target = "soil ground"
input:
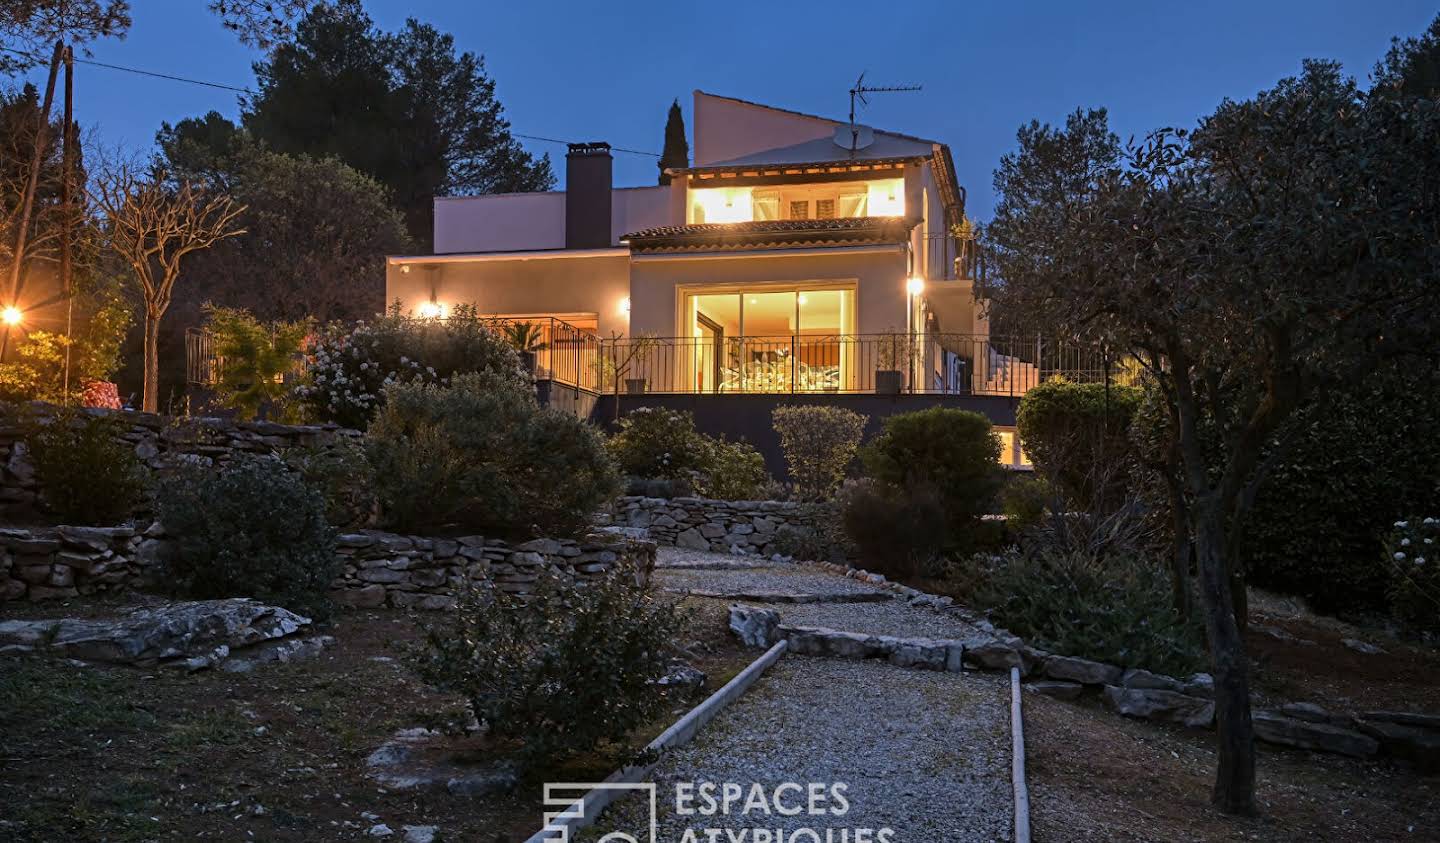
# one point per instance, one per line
(122, 754)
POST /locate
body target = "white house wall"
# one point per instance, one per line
(509, 222)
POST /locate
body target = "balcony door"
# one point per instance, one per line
(769, 340)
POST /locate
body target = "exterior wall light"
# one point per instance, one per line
(11, 315)
(915, 286)
(625, 305)
(431, 310)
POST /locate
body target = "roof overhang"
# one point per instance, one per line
(800, 252)
(530, 255)
(771, 234)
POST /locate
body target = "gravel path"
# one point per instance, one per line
(794, 579)
(891, 618)
(926, 754)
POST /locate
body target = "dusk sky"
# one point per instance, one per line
(608, 71)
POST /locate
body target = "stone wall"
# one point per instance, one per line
(381, 569)
(721, 526)
(159, 442)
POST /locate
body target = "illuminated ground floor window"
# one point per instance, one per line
(769, 339)
(1012, 453)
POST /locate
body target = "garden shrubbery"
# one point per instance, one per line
(352, 365)
(341, 473)
(1412, 551)
(482, 454)
(1114, 609)
(819, 443)
(250, 529)
(657, 444)
(1077, 435)
(563, 670)
(88, 474)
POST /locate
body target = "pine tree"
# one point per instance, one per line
(677, 150)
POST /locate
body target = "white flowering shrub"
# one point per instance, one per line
(1413, 551)
(351, 365)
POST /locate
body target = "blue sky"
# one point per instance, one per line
(609, 71)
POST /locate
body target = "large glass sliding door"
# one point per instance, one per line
(769, 340)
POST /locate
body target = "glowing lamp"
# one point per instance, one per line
(915, 286)
(431, 310)
(625, 305)
(11, 315)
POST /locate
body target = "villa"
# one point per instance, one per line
(798, 259)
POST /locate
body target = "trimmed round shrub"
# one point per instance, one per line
(898, 531)
(819, 443)
(657, 443)
(733, 471)
(1077, 434)
(482, 455)
(88, 474)
(953, 454)
(250, 529)
(563, 670)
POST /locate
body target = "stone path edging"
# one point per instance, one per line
(587, 808)
(785, 597)
(1017, 767)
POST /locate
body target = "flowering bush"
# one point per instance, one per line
(819, 443)
(102, 394)
(1414, 556)
(352, 365)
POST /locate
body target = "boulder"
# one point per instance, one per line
(991, 654)
(147, 636)
(1160, 704)
(1309, 712)
(421, 758)
(1057, 689)
(754, 626)
(369, 597)
(1404, 718)
(1273, 727)
(1081, 670)
(692, 540)
(1413, 743)
(1136, 678)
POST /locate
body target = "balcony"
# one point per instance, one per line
(946, 364)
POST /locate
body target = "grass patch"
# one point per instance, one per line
(67, 699)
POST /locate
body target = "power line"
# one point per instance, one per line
(187, 80)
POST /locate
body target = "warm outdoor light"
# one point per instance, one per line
(11, 315)
(915, 286)
(431, 310)
(625, 305)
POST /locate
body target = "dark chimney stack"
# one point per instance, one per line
(588, 181)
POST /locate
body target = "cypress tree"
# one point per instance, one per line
(677, 150)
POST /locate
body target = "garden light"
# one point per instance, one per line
(431, 310)
(915, 286)
(11, 315)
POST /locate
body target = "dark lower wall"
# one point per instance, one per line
(747, 417)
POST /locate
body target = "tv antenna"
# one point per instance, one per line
(858, 93)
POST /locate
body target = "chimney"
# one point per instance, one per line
(587, 196)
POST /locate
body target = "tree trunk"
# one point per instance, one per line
(1180, 552)
(32, 180)
(1234, 791)
(150, 400)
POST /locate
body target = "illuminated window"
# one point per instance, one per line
(721, 204)
(1012, 453)
(886, 198)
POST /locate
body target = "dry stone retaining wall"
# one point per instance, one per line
(381, 569)
(720, 526)
(159, 442)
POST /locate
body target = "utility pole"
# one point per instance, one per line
(67, 211)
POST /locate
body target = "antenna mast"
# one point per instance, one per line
(859, 92)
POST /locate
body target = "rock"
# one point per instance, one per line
(369, 597)
(421, 758)
(353, 540)
(282, 651)
(1415, 744)
(1362, 647)
(1405, 718)
(1160, 704)
(1136, 678)
(1200, 685)
(1276, 728)
(419, 833)
(380, 830)
(754, 626)
(684, 676)
(692, 539)
(1081, 670)
(1309, 712)
(547, 547)
(176, 631)
(991, 654)
(1057, 689)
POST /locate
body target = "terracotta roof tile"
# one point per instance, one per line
(772, 234)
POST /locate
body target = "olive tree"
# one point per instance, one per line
(1282, 248)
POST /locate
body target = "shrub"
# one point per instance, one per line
(899, 531)
(1077, 435)
(87, 473)
(1116, 610)
(1321, 516)
(819, 443)
(481, 454)
(341, 473)
(1023, 500)
(559, 671)
(656, 443)
(1413, 553)
(253, 359)
(250, 529)
(733, 471)
(352, 365)
(950, 454)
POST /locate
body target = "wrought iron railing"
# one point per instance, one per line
(948, 257)
(957, 364)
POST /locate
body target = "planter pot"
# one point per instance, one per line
(634, 386)
(889, 382)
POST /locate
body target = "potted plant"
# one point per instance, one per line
(895, 353)
(527, 339)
